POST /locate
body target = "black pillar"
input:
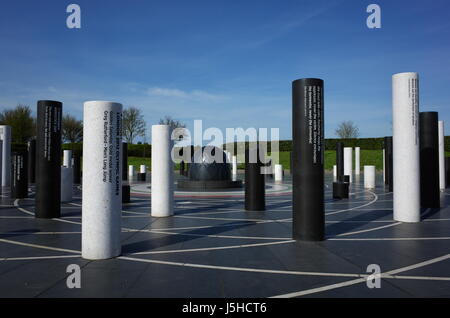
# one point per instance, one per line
(32, 161)
(125, 161)
(447, 172)
(341, 186)
(182, 168)
(125, 193)
(255, 186)
(76, 167)
(429, 160)
(308, 178)
(388, 163)
(48, 159)
(19, 174)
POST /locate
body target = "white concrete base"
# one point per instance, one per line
(369, 177)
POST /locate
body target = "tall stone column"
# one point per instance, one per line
(429, 160)
(406, 166)
(441, 156)
(369, 177)
(308, 159)
(19, 174)
(102, 180)
(357, 160)
(32, 161)
(162, 171)
(5, 136)
(348, 162)
(255, 185)
(67, 158)
(48, 159)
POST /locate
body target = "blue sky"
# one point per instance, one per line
(230, 63)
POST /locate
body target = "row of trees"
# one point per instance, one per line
(23, 124)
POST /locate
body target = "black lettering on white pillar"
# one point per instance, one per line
(48, 159)
(308, 177)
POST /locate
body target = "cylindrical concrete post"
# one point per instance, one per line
(66, 184)
(255, 192)
(5, 136)
(278, 173)
(429, 160)
(308, 177)
(447, 171)
(340, 161)
(102, 180)
(124, 161)
(441, 156)
(348, 162)
(357, 160)
(234, 165)
(143, 169)
(1, 164)
(126, 196)
(162, 171)
(384, 166)
(131, 172)
(76, 167)
(335, 172)
(406, 167)
(32, 161)
(19, 175)
(388, 145)
(48, 159)
(369, 177)
(67, 158)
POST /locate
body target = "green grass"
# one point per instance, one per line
(368, 157)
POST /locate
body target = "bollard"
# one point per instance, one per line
(102, 180)
(406, 167)
(308, 178)
(48, 159)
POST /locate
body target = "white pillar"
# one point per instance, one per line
(348, 162)
(406, 166)
(278, 173)
(1, 165)
(102, 180)
(5, 136)
(66, 184)
(384, 168)
(130, 171)
(67, 158)
(369, 177)
(334, 173)
(441, 156)
(143, 169)
(357, 160)
(162, 171)
(234, 165)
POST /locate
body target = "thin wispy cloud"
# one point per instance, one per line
(199, 95)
